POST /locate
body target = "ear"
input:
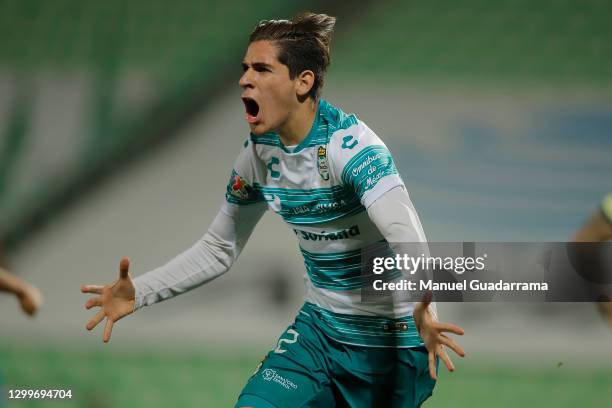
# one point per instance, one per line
(304, 83)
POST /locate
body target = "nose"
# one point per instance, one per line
(245, 79)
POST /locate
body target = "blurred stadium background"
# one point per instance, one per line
(119, 122)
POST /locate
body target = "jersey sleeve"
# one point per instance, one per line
(242, 187)
(360, 161)
(396, 218)
(210, 257)
(214, 253)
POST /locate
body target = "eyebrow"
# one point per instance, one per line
(257, 65)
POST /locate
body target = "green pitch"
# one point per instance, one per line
(155, 378)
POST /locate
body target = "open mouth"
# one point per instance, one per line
(252, 109)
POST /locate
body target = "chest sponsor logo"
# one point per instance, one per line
(315, 207)
(328, 236)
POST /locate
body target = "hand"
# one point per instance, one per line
(432, 333)
(605, 309)
(116, 300)
(30, 299)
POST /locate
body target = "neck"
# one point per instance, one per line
(296, 128)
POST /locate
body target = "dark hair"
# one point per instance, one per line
(303, 44)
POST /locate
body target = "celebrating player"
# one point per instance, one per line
(335, 184)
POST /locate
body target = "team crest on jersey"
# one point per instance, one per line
(239, 188)
(322, 163)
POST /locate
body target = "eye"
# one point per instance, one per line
(261, 68)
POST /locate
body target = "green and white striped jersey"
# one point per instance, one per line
(322, 188)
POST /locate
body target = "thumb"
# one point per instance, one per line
(124, 266)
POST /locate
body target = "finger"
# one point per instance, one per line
(432, 365)
(449, 327)
(447, 361)
(124, 266)
(96, 301)
(37, 299)
(95, 320)
(28, 307)
(92, 289)
(108, 330)
(426, 300)
(30, 304)
(453, 345)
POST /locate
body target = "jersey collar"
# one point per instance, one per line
(312, 134)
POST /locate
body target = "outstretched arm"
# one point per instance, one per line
(396, 218)
(29, 297)
(207, 259)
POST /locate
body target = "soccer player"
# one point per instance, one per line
(335, 184)
(598, 228)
